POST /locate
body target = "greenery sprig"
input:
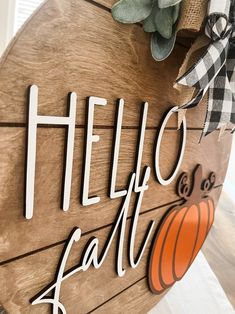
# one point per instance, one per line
(158, 17)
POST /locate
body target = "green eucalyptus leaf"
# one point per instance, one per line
(131, 11)
(176, 12)
(150, 25)
(164, 22)
(160, 20)
(167, 3)
(161, 47)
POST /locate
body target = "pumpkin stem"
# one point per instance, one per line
(209, 183)
(183, 187)
(198, 189)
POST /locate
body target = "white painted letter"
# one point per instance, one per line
(140, 144)
(116, 149)
(56, 285)
(33, 120)
(134, 262)
(158, 146)
(90, 138)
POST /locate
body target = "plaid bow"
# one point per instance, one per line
(215, 69)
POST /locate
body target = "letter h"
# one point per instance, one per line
(33, 120)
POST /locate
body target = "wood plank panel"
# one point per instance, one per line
(137, 299)
(90, 54)
(15, 229)
(184, 38)
(24, 278)
(77, 46)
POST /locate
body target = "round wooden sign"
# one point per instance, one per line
(89, 163)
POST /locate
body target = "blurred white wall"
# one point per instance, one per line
(229, 185)
(7, 18)
(13, 14)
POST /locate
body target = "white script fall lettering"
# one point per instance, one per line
(90, 255)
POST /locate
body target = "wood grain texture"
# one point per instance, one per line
(49, 169)
(91, 54)
(184, 38)
(84, 291)
(22, 279)
(77, 46)
(106, 3)
(135, 299)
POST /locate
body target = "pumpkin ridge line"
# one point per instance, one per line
(177, 237)
(195, 243)
(208, 221)
(163, 245)
(156, 236)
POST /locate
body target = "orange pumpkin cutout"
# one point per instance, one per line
(182, 232)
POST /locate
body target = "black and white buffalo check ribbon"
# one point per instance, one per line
(215, 71)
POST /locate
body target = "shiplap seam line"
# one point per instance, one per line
(97, 127)
(117, 294)
(13, 259)
(99, 5)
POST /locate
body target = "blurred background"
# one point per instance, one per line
(212, 276)
(13, 14)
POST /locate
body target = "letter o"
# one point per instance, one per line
(158, 146)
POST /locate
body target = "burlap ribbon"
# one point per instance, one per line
(190, 25)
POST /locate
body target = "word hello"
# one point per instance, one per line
(138, 184)
(34, 119)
